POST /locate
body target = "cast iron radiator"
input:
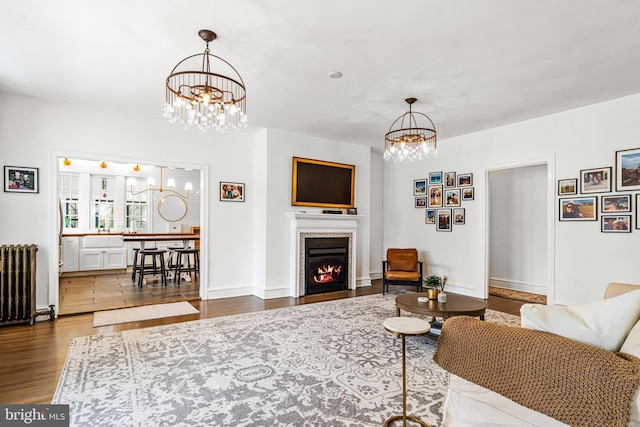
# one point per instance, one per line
(18, 284)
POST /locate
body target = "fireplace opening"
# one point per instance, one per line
(326, 264)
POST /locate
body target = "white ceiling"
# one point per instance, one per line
(472, 64)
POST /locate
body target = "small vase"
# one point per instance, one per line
(432, 293)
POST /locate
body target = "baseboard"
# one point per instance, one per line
(271, 293)
(514, 285)
(363, 282)
(229, 292)
(375, 275)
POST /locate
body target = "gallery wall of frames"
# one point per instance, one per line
(442, 195)
(614, 210)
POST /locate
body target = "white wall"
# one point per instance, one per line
(244, 245)
(518, 228)
(585, 259)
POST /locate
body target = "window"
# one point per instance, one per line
(102, 201)
(68, 193)
(136, 213)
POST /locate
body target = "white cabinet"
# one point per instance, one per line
(103, 259)
(70, 253)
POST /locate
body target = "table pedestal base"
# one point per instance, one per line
(416, 420)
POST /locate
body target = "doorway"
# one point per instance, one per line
(112, 287)
(520, 225)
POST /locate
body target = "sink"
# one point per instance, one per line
(114, 241)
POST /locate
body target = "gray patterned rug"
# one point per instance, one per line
(323, 364)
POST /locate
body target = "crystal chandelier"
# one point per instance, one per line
(202, 98)
(408, 141)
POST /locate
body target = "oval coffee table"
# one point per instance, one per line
(456, 305)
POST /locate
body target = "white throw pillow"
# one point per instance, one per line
(603, 324)
(631, 344)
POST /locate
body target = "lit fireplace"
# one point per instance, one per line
(326, 264)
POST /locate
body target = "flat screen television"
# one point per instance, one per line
(322, 184)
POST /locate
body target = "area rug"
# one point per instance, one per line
(517, 295)
(145, 312)
(322, 364)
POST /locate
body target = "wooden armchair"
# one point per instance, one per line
(401, 268)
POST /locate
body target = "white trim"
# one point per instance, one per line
(550, 162)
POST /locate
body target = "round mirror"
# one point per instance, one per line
(172, 208)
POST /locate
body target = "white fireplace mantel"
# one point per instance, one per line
(306, 225)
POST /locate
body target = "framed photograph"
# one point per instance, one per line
(595, 180)
(467, 193)
(465, 180)
(628, 170)
(419, 187)
(578, 209)
(21, 179)
(567, 187)
(435, 196)
(616, 224)
(616, 203)
(231, 191)
(452, 197)
(443, 222)
(421, 202)
(430, 216)
(435, 178)
(352, 211)
(449, 179)
(458, 216)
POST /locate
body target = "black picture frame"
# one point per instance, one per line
(465, 179)
(613, 203)
(420, 202)
(596, 180)
(449, 180)
(435, 178)
(567, 187)
(430, 216)
(468, 193)
(443, 220)
(420, 187)
(587, 208)
(628, 170)
(232, 191)
(434, 196)
(21, 179)
(458, 216)
(452, 197)
(615, 224)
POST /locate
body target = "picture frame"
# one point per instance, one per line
(430, 216)
(449, 179)
(232, 191)
(582, 209)
(458, 216)
(637, 216)
(443, 222)
(465, 180)
(615, 203)
(597, 180)
(419, 187)
(452, 197)
(421, 202)
(567, 187)
(352, 211)
(435, 196)
(21, 179)
(468, 193)
(435, 178)
(628, 170)
(615, 224)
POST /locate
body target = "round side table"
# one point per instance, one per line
(403, 327)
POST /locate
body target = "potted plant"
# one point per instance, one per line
(433, 284)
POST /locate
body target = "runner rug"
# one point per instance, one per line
(322, 364)
(145, 312)
(518, 295)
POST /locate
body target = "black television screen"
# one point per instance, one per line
(322, 184)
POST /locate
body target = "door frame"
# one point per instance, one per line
(56, 154)
(550, 162)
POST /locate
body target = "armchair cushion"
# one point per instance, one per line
(603, 324)
(402, 260)
(408, 276)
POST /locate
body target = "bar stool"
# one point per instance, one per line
(157, 257)
(135, 267)
(403, 327)
(180, 266)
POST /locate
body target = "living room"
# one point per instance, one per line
(246, 247)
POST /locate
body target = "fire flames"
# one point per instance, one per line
(327, 274)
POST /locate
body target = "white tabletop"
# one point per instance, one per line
(407, 325)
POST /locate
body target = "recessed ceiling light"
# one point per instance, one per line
(335, 74)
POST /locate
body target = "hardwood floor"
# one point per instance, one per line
(32, 357)
(95, 292)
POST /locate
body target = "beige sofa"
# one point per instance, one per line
(511, 376)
